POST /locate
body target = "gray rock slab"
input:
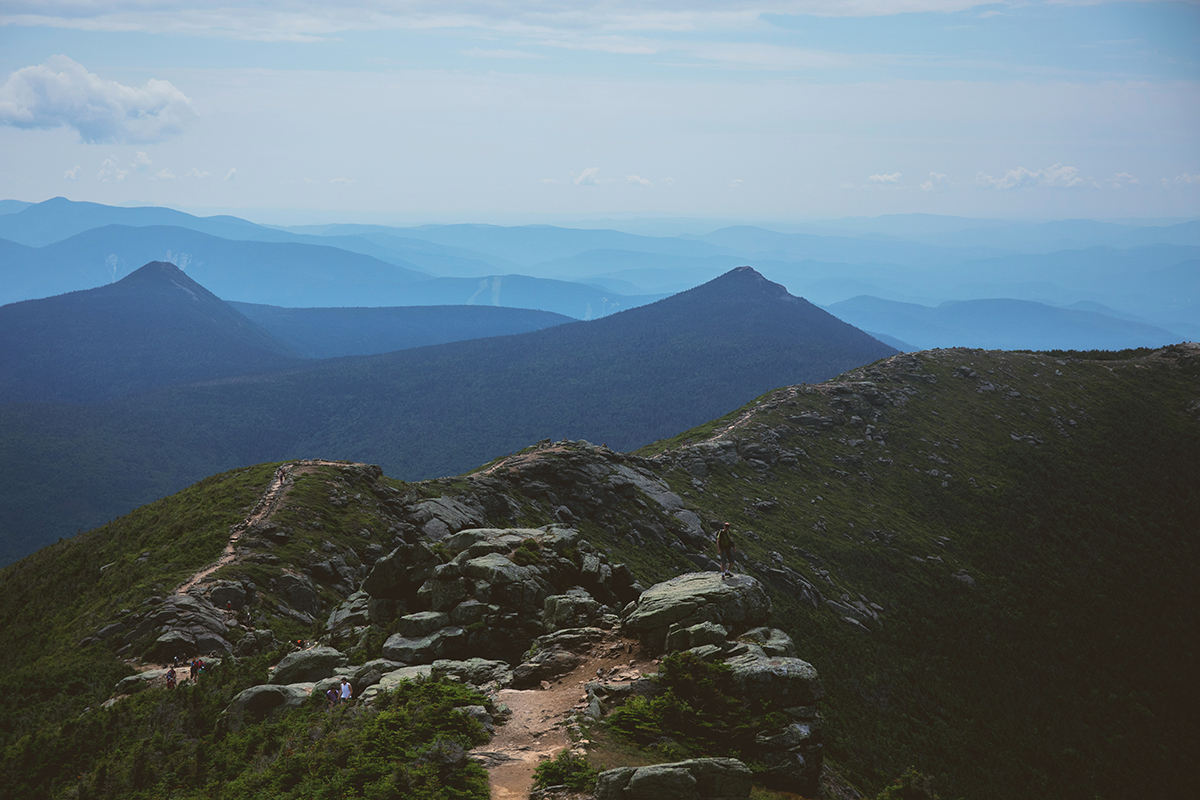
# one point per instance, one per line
(308, 665)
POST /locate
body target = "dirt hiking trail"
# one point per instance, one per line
(537, 729)
(266, 506)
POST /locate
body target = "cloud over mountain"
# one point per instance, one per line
(62, 92)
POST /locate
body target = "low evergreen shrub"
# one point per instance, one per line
(567, 769)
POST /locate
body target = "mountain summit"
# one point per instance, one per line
(154, 327)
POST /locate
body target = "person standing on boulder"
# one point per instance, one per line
(726, 547)
(347, 691)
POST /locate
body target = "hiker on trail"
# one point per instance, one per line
(171, 678)
(726, 547)
(347, 691)
(194, 669)
(331, 697)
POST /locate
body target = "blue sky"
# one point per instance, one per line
(504, 112)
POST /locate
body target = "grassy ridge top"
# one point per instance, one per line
(1019, 528)
(988, 556)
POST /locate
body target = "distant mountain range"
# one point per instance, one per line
(1148, 272)
(157, 327)
(624, 380)
(1005, 324)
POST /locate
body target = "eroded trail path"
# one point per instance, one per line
(271, 499)
(537, 730)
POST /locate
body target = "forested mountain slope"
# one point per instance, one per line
(625, 380)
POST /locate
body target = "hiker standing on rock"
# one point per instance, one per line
(347, 691)
(726, 547)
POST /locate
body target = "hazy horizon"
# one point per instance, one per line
(773, 111)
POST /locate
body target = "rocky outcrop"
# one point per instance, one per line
(257, 702)
(697, 779)
(736, 603)
(720, 619)
(308, 665)
(489, 599)
(553, 655)
(182, 626)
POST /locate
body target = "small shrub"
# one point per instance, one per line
(912, 785)
(528, 553)
(567, 769)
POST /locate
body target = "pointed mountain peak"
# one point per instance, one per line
(164, 274)
(154, 269)
(744, 282)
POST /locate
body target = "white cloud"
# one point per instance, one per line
(736, 182)
(605, 44)
(110, 172)
(1186, 178)
(889, 178)
(141, 163)
(73, 173)
(1021, 178)
(195, 172)
(476, 52)
(163, 175)
(936, 179)
(63, 93)
(1123, 179)
(342, 180)
(637, 180)
(587, 177)
(232, 174)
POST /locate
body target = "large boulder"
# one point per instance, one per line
(475, 671)
(697, 779)
(575, 609)
(498, 580)
(784, 682)
(444, 643)
(132, 684)
(255, 703)
(553, 655)
(351, 613)
(308, 665)
(737, 603)
(399, 574)
(256, 641)
(391, 680)
(188, 626)
(791, 756)
(299, 593)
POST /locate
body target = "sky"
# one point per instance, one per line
(420, 111)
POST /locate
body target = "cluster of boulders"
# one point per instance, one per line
(500, 608)
(723, 619)
(186, 625)
(482, 592)
(468, 606)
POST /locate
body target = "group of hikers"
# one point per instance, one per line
(335, 694)
(196, 667)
